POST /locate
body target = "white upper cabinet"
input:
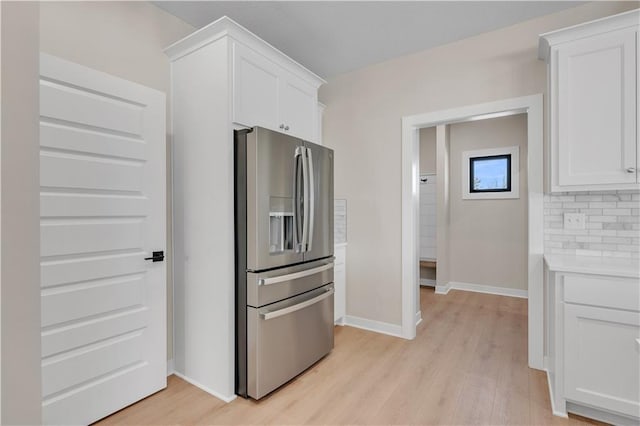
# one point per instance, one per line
(298, 108)
(266, 94)
(593, 113)
(256, 89)
(596, 110)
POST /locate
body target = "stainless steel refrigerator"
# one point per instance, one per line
(284, 258)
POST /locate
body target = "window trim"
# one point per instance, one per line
(513, 178)
(473, 160)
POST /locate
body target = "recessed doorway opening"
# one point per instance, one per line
(411, 125)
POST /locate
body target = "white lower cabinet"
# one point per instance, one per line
(593, 345)
(340, 284)
(602, 358)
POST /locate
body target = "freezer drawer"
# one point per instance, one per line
(285, 338)
(272, 286)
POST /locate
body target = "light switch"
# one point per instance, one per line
(574, 221)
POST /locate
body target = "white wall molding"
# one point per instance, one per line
(602, 25)
(227, 27)
(532, 106)
(376, 326)
(418, 318)
(487, 289)
(225, 398)
(443, 289)
(601, 415)
(170, 367)
(426, 282)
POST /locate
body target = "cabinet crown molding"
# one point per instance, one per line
(609, 23)
(227, 27)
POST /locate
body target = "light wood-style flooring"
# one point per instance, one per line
(467, 365)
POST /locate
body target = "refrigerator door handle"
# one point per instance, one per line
(305, 200)
(295, 275)
(298, 182)
(311, 200)
(294, 308)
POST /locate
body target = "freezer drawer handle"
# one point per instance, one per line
(302, 305)
(295, 275)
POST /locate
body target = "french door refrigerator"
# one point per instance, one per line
(284, 258)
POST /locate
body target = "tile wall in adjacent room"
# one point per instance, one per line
(339, 221)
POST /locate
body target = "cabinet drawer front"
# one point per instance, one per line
(602, 358)
(611, 292)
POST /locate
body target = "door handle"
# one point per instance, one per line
(298, 183)
(305, 202)
(295, 275)
(631, 169)
(157, 256)
(294, 308)
(311, 200)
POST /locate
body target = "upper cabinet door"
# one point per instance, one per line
(596, 110)
(256, 82)
(298, 107)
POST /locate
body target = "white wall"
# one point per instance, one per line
(488, 242)
(125, 39)
(20, 388)
(362, 123)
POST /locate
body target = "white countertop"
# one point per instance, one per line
(593, 265)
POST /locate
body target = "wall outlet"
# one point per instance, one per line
(574, 221)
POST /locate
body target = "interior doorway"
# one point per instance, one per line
(411, 125)
(427, 229)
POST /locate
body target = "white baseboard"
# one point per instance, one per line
(418, 318)
(372, 325)
(443, 289)
(170, 367)
(426, 282)
(225, 398)
(339, 322)
(481, 288)
(601, 415)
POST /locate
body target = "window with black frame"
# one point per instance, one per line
(490, 173)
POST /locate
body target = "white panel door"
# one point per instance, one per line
(103, 211)
(602, 358)
(597, 110)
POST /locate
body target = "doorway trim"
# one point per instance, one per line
(531, 105)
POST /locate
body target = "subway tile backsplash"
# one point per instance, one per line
(612, 227)
(339, 221)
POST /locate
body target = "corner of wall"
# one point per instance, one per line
(20, 371)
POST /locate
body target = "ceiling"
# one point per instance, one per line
(334, 37)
